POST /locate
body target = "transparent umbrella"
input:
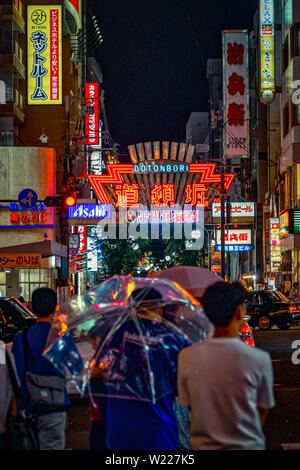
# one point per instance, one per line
(122, 339)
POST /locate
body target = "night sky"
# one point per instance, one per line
(154, 73)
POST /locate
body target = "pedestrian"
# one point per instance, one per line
(32, 368)
(294, 293)
(227, 384)
(22, 300)
(7, 397)
(282, 289)
(134, 424)
(97, 404)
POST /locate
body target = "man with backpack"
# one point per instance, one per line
(42, 386)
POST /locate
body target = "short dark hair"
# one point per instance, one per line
(44, 301)
(221, 300)
(296, 284)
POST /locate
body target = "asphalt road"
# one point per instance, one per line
(283, 423)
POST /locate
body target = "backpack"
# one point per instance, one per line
(46, 392)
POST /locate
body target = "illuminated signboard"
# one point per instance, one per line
(235, 237)
(267, 52)
(284, 228)
(238, 210)
(296, 221)
(164, 167)
(92, 255)
(14, 215)
(165, 216)
(92, 120)
(44, 59)
(20, 260)
(275, 254)
(89, 211)
(234, 248)
(236, 93)
(160, 194)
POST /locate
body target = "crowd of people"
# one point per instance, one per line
(222, 388)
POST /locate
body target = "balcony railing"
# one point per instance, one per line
(14, 11)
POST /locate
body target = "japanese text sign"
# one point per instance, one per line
(44, 49)
(236, 93)
(92, 120)
(20, 260)
(237, 210)
(235, 237)
(160, 195)
(267, 51)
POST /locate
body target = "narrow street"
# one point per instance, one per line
(283, 423)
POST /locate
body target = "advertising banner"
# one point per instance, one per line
(235, 237)
(267, 51)
(44, 54)
(236, 93)
(92, 120)
(20, 260)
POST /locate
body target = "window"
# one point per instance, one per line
(295, 115)
(286, 120)
(285, 55)
(295, 40)
(31, 279)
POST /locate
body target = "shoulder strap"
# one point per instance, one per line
(25, 347)
(13, 378)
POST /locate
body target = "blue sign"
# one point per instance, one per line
(234, 248)
(28, 198)
(89, 211)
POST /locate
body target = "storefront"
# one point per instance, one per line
(24, 268)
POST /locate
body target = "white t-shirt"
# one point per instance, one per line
(224, 381)
(6, 392)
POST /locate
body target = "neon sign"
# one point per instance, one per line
(234, 248)
(162, 194)
(161, 168)
(267, 51)
(89, 211)
(92, 120)
(167, 216)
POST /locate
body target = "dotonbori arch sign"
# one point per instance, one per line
(158, 182)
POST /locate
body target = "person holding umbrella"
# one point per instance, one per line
(140, 424)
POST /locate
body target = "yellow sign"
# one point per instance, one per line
(20, 260)
(44, 54)
(284, 224)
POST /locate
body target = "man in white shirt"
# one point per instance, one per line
(7, 399)
(227, 384)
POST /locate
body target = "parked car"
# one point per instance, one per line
(14, 317)
(268, 308)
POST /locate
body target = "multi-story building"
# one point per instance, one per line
(35, 125)
(288, 183)
(265, 147)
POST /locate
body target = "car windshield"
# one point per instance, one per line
(22, 310)
(277, 297)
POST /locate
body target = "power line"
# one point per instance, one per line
(194, 34)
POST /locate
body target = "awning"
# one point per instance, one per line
(46, 248)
